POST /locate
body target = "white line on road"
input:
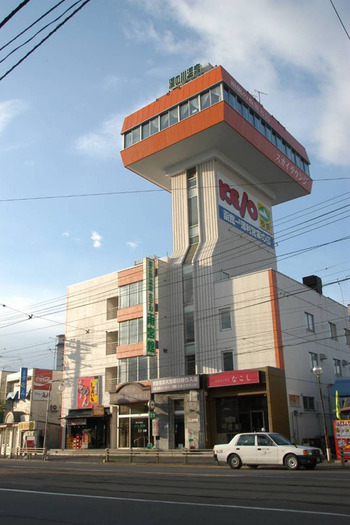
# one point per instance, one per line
(167, 502)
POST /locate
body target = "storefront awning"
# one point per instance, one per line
(83, 413)
(343, 387)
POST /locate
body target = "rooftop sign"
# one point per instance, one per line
(185, 76)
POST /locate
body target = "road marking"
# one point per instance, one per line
(167, 502)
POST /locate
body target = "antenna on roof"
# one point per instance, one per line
(260, 93)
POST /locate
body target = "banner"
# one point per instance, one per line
(88, 392)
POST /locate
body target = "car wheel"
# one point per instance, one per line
(234, 461)
(310, 466)
(291, 462)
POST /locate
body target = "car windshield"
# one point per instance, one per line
(280, 440)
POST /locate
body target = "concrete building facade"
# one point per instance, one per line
(212, 340)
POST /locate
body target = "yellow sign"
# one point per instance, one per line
(26, 425)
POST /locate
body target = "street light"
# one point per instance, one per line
(318, 370)
(61, 388)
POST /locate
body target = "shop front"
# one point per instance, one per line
(87, 428)
(134, 427)
(246, 401)
(179, 414)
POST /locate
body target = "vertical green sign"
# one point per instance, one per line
(150, 309)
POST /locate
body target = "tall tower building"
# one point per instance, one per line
(226, 162)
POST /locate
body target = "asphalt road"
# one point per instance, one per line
(81, 492)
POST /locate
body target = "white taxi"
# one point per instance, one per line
(266, 448)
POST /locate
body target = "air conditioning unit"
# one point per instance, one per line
(344, 363)
(323, 357)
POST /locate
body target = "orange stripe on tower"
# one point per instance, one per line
(276, 319)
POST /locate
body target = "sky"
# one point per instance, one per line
(61, 112)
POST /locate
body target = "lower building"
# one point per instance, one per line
(32, 410)
(254, 370)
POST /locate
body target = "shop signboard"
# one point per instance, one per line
(98, 411)
(155, 427)
(235, 378)
(23, 383)
(185, 76)
(88, 391)
(342, 438)
(244, 212)
(27, 425)
(131, 393)
(169, 384)
(149, 317)
(42, 381)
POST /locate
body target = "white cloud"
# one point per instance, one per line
(294, 51)
(9, 110)
(104, 142)
(132, 244)
(65, 234)
(96, 239)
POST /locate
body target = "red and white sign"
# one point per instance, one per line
(235, 378)
(42, 381)
(342, 438)
(88, 392)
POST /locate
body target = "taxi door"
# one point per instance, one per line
(266, 450)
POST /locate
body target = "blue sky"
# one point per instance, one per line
(61, 112)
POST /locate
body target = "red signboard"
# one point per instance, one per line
(42, 379)
(235, 378)
(88, 392)
(342, 438)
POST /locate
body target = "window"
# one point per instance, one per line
(184, 111)
(347, 336)
(164, 120)
(188, 284)
(135, 135)
(264, 441)
(246, 441)
(333, 331)
(225, 318)
(294, 400)
(154, 126)
(190, 365)
(111, 378)
(145, 130)
(205, 100)
(189, 327)
(112, 308)
(337, 367)
(245, 112)
(173, 116)
(194, 105)
(139, 368)
(131, 332)
(313, 360)
(131, 294)
(111, 343)
(309, 403)
(309, 322)
(215, 95)
(227, 361)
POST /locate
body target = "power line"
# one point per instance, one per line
(39, 31)
(44, 40)
(10, 15)
(31, 25)
(340, 20)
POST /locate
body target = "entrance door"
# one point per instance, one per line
(258, 420)
(179, 423)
